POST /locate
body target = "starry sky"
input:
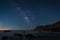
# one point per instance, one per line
(26, 14)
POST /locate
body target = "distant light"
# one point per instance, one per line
(5, 28)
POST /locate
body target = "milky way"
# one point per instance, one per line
(26, 13)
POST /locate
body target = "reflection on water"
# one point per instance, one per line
(12, 38)
(29, 35)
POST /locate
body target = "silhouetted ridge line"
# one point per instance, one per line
(52, 27)
(57, 23)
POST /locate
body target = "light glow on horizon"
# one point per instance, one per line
(5, 28)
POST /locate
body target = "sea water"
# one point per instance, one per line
(44, 35)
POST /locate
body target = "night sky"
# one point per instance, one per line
(26, 14)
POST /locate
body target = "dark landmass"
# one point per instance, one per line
(51, 27)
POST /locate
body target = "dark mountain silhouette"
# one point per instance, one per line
(52, 27)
